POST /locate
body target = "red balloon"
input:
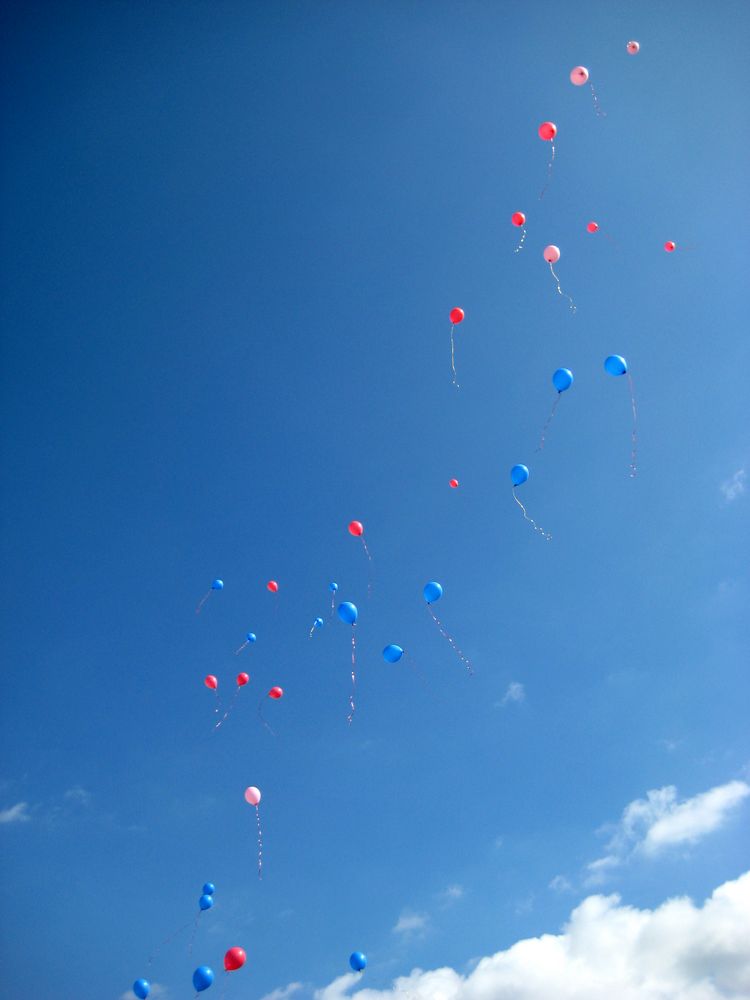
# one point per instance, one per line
(356, 528)
(235, 958)
(211, 682)
(272, 586)
(592, 227)
(275, 692)
(456, 315)
(453, 484)
(518, 219)
(242, 679)
(670, 247)
(547, 130)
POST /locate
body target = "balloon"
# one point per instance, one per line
(562, 379)
(392, 653)
(318, 623)
(235, 958)
(670, 247)
(348, 612)
(202, 978)
(453, 484)
(633, 48)
(356, 528)
(615, 365)
(272, 586)
(518, 219)
(217, 585)
(579, 75)
(252, 795)
(209, 889)
(242, 679)
(552, 254)
(206, 901)
(358, 961)
(592, 227)
(432, 591)
(547, 131)
(333, 587)
(519, 474)
(456, 316)
(211, 682)
(276, 693)
(141, 988)
(251, 636)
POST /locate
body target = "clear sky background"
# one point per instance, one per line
(232, 234)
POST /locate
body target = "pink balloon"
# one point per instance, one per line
(547, 131)
(670, 247)
(252, 795)
(552, 254)
(579, 76)
(518, 219)
(592, 227)
(633, 48)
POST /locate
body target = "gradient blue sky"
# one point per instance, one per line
(232, 235)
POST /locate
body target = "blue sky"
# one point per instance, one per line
(232, 236)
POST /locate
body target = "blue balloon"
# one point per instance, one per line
(348, 612)
(217, 585)
(392, 653)
(358, 961)
(202, 978)
(318, 623)
(562, 379)
(209, 889)
(432, 591)
(251, 637)
(333, 587)
(141, 988)
(206, 901)
(519, 474)
(615, 365)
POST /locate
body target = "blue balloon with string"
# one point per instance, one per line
(519, 474)
(348, 613)
(202, 978)
(392, 653)
(206, 902)
(615, 364)
(432, 591)
(208, 888)
(141, 988)
(217, 585)
(562, 379)
(358, 961)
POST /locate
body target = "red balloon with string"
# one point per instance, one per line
(357, 529)
(518, 219)
(234, 959)
(547, 132)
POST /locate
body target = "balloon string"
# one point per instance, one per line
(333, 603)
(260, 843)
(192, 936)
(559, 289)
(202, 601)
(634, 432)
(451, 641)
(423, 678)
(548, 422)
(453, 359)
(311, 631)
(166, 941)
(261, 716)
(369, 568)
(597, 105)
(531, 520)
(519, 248)
(352, 705)
(240, 648)
(228, 711)
(549, 173)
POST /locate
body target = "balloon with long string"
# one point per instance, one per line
(518, 475)
(456, 316)
(317, 624)
(616, 365)
(252, 797)
(580, 75)
(242, 680)
(216, 585)
(432, 592)
(207, 892)
(547, 132)
(562, 379)
(234, 959)
(357, 529)
(275, 694)
(205, 902)
(393, 653)
(202, 978)
(348, 614)
(250, 638)
(593, 227)
(333, 587)
(212, 683)
(552, 254)
(519, 220)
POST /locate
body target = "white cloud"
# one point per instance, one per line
(19, 813)
(515, 693)
(677, 951)
(78, 795)
(453, 892)
(651, 825)
(734, 486)
(561, 884)
(283, 992)
(411, 923)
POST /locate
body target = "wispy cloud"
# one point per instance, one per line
(734, 486)
(78, 795)
(19, 813)
(560, 884)
(411, 923)
(454, 892)
(654, 824)
(515, 693)
(283, 992)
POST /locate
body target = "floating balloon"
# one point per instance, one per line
(358, 961)
(211, 682)
(216, 585)
(562, 379)
(250, 638)
(208, 888)
(348, 614)
(616, 365)
(273, 586)
(453, 483)
(551, 254)
(206, 902)
(252, 797)
(141, 988)
(580, 75)
(518, 475)
(432, 592)
(519, 219)
(235, 958)
(633, 48)
(242, 679)
(670, 246)
(592, 227)
(392, 653)
(333, 587)
(548, 131)
(274, 694)
(357, 529)
(318, 623)
(202, 978)
(456, 316)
